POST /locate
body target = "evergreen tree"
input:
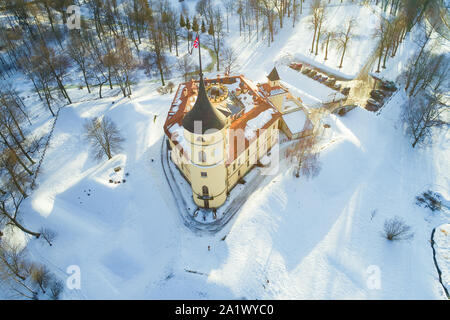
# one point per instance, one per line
(203, 28)
(195, 27)
(182, 22)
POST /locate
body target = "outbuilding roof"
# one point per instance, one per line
(273, 75)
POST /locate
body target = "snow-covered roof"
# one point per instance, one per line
(257, 123)
(258, 111)
(295, 121)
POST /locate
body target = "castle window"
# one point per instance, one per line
(234, 166)
(203, 174)
(202, 156)
(205, 190)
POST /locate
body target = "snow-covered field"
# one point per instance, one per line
(293, 239)
(295, 42)
(310, 239)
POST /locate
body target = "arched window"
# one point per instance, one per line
(202, 156)
(205, 190)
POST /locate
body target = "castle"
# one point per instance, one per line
(219, 129)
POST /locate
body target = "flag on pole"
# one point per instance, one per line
(196, 42)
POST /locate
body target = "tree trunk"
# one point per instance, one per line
(342, 57)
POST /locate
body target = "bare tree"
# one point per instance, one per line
(329, 37)
(185, 66)
(56, 64)
(229, 59)
(267, 10)
(306, 156)
(26, 279)
(216, 33)
(321, 21)
(315, 20)
(421, 114)
(56, 288)
(122, 63)
(9, 211)
(343, 39)
(18, 179)
(40, 276)
(48, 235)
(396, 229)
(157, 59)
(383, 34)
(229, 6)
(14, 271)
(79, 53)
(104, 137)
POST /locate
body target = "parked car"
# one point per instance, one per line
(306, 70)
(313, 73)
(371, 107)
(388, 85)
(296, 66)
(373, 102)
(337, 86)
(344, 109)
(377, 95)
(330, 82)
(378, 91)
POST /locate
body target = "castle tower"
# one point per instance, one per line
(274, 78)
(274, 84)
(204, 129)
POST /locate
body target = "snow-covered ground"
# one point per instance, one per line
(293, 238)
(310, 239)
(295, 42)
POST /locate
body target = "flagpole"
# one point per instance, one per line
(200, 57)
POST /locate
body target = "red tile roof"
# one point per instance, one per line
(188, 90)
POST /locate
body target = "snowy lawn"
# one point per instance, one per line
(292, 239)
(257, 57)
(310, 239)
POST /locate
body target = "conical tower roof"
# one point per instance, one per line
(203, 111)
(273, 75)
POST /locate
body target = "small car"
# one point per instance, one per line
(330, 82)
(373, 102)
(389, 86)
(377, 95)
(344, 109)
